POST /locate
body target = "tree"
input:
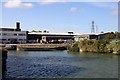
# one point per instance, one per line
(40, 31)
(110, 36)
(45, 31)
(33, 31)
(117, 35)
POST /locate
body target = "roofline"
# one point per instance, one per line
(53, 34)
(7, 28)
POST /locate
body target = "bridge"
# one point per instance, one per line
(37, 46)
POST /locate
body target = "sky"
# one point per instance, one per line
(56, 16)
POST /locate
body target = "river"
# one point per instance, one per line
(60, 64)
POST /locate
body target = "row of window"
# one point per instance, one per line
(12, 39)
(7, 34)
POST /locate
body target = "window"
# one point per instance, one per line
(4, 33)
(24, 39)
(4, 39)
(21, 34)
(20, 39)
(15, 34)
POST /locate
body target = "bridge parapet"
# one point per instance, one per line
(36, 46)
(40, 46)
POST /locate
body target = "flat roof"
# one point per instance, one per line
(7, 29)
(52, 33)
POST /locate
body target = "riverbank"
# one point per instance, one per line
(96, 46)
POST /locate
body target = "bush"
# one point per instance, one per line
(73, 47)
(114, 47)
(102, 46)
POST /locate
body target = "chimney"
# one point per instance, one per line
(18, 26)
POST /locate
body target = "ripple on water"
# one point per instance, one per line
(44, 70)
(38, 59)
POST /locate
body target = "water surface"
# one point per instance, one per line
(61, 64)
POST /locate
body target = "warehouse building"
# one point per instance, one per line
(50, 37)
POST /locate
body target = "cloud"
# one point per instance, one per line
(17, 4)
(115, 12)
(65, 0)
(74, 9)
(52, 1)
(104, 5)
(81, 10)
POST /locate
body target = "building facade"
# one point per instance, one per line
(8, 35)
(50, 37)
(91, 36)
(86, 37)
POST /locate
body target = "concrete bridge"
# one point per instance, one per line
(37, 46)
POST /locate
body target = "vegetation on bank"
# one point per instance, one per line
(110, 44)
(102, 46)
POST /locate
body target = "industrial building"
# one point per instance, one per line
(86, 37)
(11, 35)
(91, 36)
(50, 37)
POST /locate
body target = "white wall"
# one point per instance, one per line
(11, 35)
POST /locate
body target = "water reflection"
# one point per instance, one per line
(96, 55)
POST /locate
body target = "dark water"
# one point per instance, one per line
(60, 64)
